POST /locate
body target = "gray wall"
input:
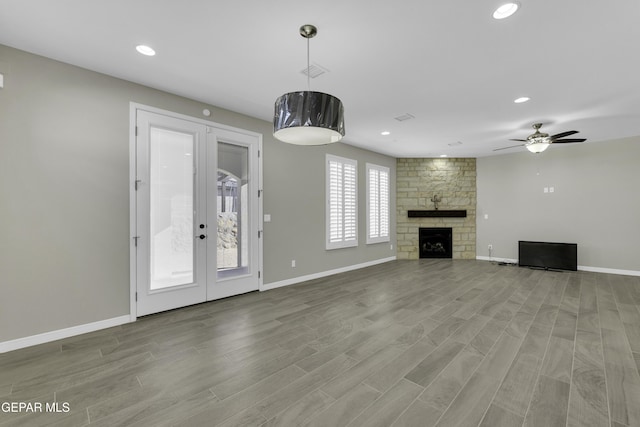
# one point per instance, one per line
(295, 198)
(595, 203)
(64, 195)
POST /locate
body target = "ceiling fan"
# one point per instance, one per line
(538, 141)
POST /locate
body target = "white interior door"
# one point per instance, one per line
(196, 222)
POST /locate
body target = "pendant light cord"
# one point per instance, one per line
(308, 68)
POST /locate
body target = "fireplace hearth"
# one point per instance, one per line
(435, 242)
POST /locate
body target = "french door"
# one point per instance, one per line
(197, 211)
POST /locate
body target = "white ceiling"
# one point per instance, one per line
(448, 63)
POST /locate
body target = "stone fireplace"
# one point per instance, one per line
(417, 182)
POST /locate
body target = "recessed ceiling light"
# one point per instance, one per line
(145, 50)
(385, 133)
(521, 99)
(443, 155)
(505, 11)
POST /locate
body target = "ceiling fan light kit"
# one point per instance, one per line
(537, 147)
(308, 117)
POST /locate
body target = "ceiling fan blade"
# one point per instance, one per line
(505, 148)
(563, 134)
(566, 141)
(521, 140)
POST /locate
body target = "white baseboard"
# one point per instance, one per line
(609, 270)
(62, 333)
(300, 279)
(580, 267)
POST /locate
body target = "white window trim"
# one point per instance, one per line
(351, 241)
(378, 237)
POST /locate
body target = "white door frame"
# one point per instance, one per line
(133, 109)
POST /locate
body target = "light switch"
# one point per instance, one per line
(486, 216)
(551, 189)
(267, 217)
(1, 81)
(546, 189)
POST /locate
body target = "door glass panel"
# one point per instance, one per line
(171, 220)
(233, 210)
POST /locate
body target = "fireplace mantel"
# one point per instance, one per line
(437, 213)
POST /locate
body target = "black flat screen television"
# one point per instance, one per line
(547, 255)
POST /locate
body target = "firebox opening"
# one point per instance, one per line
(436, 242)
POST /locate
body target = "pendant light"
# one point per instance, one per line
(307, 117)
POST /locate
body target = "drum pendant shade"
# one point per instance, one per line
(308, 118)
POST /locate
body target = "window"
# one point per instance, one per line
(377, 204)
(342, 202)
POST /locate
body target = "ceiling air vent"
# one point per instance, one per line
(404, 117)
(314, 71)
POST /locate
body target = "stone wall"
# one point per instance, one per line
(454, 181)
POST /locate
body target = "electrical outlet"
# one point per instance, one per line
(293, 263)
(490, 247)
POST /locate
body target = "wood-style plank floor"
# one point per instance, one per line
(406, 343)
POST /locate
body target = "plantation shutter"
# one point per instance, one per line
(342, 202)
(374, 203)
(377, 203)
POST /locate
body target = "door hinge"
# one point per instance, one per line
(259, 234)
(259, 193)
(258, 153)
(137, 183)
(135, 240)
(258, 274)
(136, 296)
(136, 131)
